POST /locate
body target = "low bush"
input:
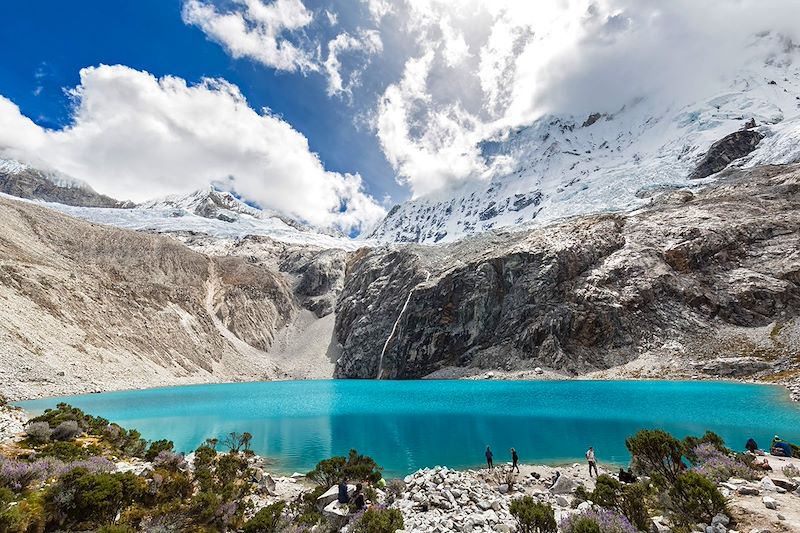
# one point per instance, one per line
(67, 451)
(719, 466)
(355, 467)
(38, 432)
(83, 500)
(375, 520)
(267, 520)
(599, 521)
(394, 489)
(532, 516)
(65, 431)
(304, 509)
(156, 447)
(708, 440)
(628, 500)
(656, 454)
(790, 471)
(693, 499)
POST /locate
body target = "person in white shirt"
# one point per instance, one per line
(592, 462)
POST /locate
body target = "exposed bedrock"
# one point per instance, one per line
(585, 294)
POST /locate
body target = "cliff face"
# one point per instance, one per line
(698, 269)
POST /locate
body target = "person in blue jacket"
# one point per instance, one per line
(489, 456)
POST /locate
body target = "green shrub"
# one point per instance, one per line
(355, 467)
(304, 508)
(628, 500)
(267, 520)
(82, 499)
(657, 454)
(694, 499)
(583, 524)
(157, 447)
(116, 529)
(66, 451)
(532, 516)
(379, 521)
(26, 516)
(691, 443)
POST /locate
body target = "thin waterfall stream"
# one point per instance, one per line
(396, 322)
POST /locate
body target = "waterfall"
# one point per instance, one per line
(396, 322)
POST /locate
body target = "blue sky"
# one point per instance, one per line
(46, 44)
(331, 111)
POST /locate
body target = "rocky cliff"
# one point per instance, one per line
(707, 274)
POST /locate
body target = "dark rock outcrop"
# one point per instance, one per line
(588, 293)
(730, 148)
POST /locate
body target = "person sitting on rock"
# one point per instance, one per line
(626, 477)
(489, 456)
(514, 460)
(343, 496)
(358, 498)
(751, 445)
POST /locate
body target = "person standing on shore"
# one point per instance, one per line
(514, 460)
(592, 462)
(489, 456)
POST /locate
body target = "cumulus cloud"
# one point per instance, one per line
(135, 136)
(257, 30)
(274, 34)
(478, 68)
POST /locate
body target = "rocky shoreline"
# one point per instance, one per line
(72, 389)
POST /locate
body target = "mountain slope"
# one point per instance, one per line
(690, 279)
(88, 307)
(563, 165)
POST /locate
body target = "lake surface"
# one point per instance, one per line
(406, 425)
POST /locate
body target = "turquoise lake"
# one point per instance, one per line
(406, 425)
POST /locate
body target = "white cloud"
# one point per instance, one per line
(478, 67)
(256, 29)
(135, 136)
(366, 44)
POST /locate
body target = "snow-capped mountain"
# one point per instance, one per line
(209, 212)
(24, 181)
(567, 165)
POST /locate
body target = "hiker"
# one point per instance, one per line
(489, 456)
(751, 445)
(358, 498)
(780, 448)
(514, 460)
(626, 477)
(592, 463)
(343, 497)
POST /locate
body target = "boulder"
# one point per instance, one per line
(564, 485)
(748, 490)
(721, 518)
(767, 485)
(787, 484)
(769, 503)
(332, 494)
